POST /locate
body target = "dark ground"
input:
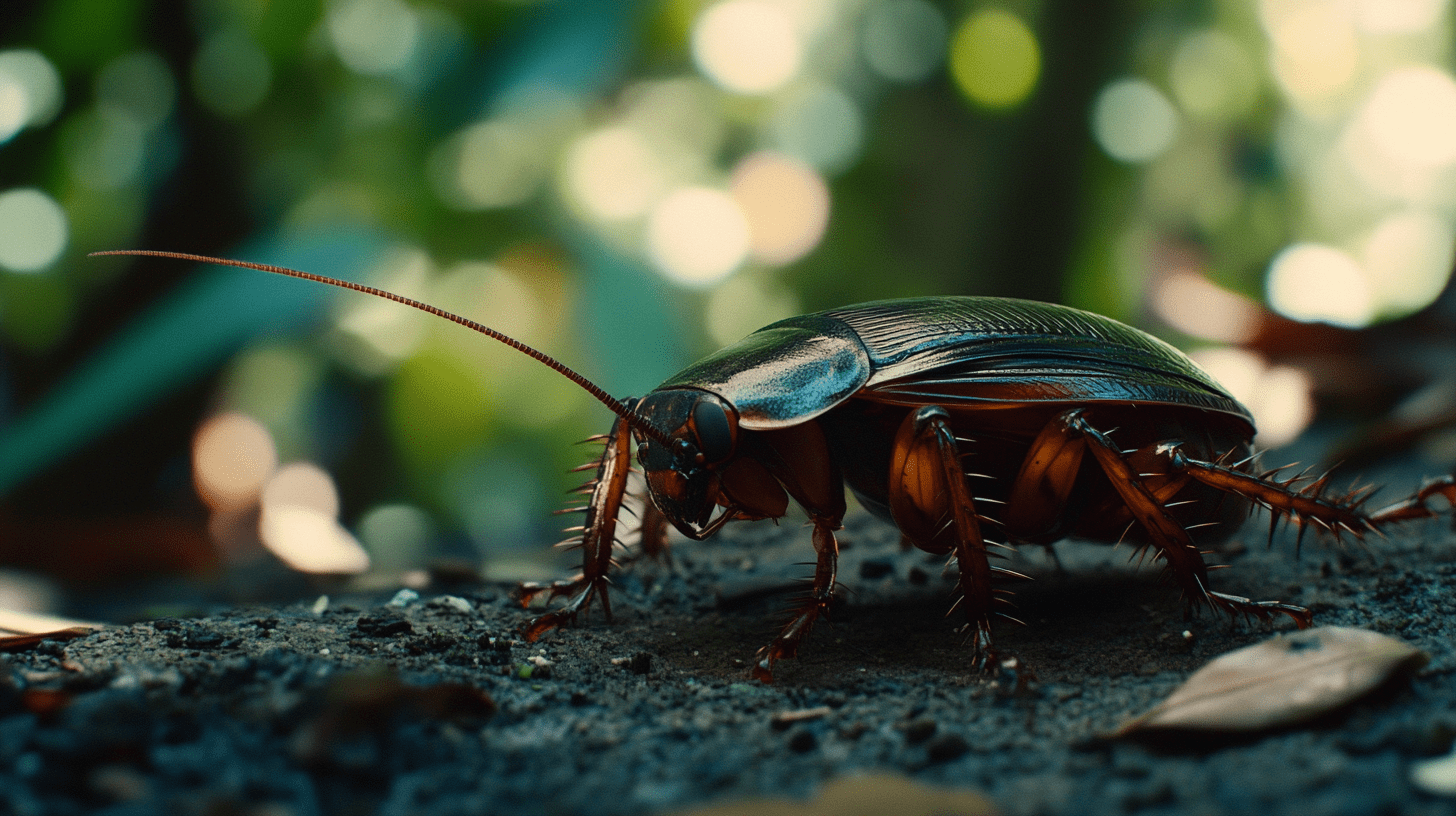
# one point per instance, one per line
(427, 707)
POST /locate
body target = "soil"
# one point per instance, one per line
(431, 703)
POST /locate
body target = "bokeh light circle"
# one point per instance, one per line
(613, 173)
(1132, 121)
(697, 236)
(233, 456)
(747, 46)
(903, 40)
(1411, 116)
(30, 90)
(374, 36)
(1315, 282)
(33, 230)
(995, 59)
(1213, 77)
(785, 203)
(822, 127)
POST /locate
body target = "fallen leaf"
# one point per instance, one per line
(877, 794)
(19, 643)
(15, 622)
(1283, 680)
(1436, 776)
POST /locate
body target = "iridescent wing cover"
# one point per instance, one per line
(958, 350)
(785, 373)
(948, 351)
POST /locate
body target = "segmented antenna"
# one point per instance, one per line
(633, 418)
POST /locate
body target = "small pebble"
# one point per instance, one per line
(452, 602)
(321, 605)
(404, 597)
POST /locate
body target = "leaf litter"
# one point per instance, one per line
(1287, 679)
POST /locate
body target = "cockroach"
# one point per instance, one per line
(893, 398)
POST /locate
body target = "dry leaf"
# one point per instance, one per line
(864, 795)
(19, 643)
(1283, 680)
(1436, 776)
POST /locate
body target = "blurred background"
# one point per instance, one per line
(628, 186)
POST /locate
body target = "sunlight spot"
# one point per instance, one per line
(302, 484)
(1398, 16)
(30, 91)
(310, 541)
(298, 524)
(233, 456)
(1316, 282)
(995, 59)
(614, 174)
(747, 46)
(137, 87)
(1213, 77)
(489, 165)
(1411, 117)
(374, 36)
(697, 236)
(396, 535)
(33, 230)
(785, 203)
(1316, 51)
(1133, 122)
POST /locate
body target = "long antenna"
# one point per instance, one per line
(633, 418)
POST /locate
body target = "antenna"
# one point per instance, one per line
(633, 418)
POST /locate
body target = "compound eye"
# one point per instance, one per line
(714, 430)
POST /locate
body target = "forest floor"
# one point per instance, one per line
(401, 704)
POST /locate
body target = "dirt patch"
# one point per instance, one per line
(433, 704)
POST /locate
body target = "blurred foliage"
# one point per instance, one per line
(625, 186)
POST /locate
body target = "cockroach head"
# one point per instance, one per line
(683, 473)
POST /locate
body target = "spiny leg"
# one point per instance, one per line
(821, 594)
(1184, 560)
(1415, 506)
(1309, 503)
(931, 502)
(598, 534)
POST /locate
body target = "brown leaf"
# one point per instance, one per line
(1283, 680)
(19, 643)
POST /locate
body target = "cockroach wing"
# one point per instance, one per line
(981, 350)
(783, 374)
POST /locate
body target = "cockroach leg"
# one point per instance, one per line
(821, 594)
(1184, 561)
(1415, 506)
(597, 538)
(931, 501)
